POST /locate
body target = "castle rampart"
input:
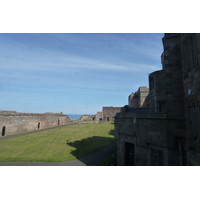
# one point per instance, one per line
(139, 99)
(110, 112)
(12, 122)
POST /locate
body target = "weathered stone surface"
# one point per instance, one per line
(158, 134)
(190, 49)
(85, 117)
(110, 112)
(98, 116)
(12, 122)
(139, 99)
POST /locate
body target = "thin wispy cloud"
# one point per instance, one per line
(50, 60)
(62, 67)
(67, 63)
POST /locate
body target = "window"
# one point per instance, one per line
(189, 52)
(129, 153)
(161, 106)
(156, 157)
(194, 120)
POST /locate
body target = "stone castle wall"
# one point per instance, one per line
(139, 99)
(85, 117)
(12, 122)
(110, 112)
(190, 49)
(156, 136)
(98, 116)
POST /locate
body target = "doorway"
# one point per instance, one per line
(38, 125)
(130, 159)
(3, 131)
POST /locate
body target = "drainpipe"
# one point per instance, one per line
(180, 153)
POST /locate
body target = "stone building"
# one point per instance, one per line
(168, 132)
(107, 113)
(12, 122)
(110, 112)
(98, 116)
(190, 48)
(139, 99)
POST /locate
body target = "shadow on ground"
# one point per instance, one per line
(91, 151)
(94, 150)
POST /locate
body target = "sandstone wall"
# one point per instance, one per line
(110, 112)
(98, 116)
(148, 131)
(139, 99)
(157, 137)
(12, 122)
(190, 46)
(85, 117)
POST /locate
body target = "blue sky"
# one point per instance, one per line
(74, 73)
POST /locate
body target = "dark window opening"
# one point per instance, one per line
(157, 157)
(190, 55)
(38, 125)
(130, 160)
(58, 122)
(193, 120)
(107, 118)
(161, 106)
(3, 131)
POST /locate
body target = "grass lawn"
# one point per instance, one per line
(58, 145)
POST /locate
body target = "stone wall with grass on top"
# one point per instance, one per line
(85, 117)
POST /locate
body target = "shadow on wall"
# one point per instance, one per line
(94, 148)
(146, 103)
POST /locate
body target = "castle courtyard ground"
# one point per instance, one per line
(94, 159)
